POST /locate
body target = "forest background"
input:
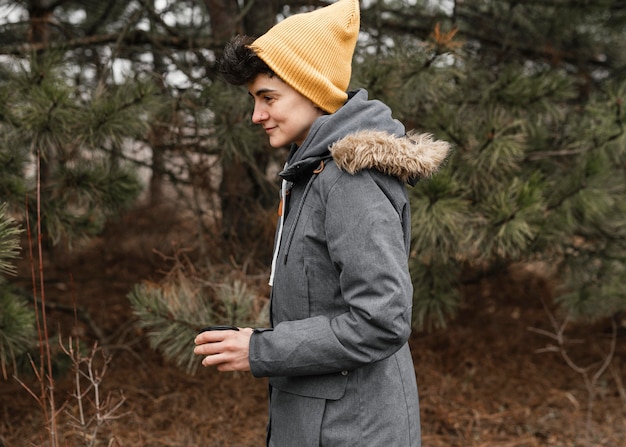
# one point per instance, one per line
(138, 204)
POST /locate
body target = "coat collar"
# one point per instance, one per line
(408, 158)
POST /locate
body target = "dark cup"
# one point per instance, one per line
(218, 328)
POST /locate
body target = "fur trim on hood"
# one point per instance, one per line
(407, 158)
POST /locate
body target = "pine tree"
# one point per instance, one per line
(17, 329)
(65, 142)
(9, 242)
(538, 169)
(61, 133)
(531, 94)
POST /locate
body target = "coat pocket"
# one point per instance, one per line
(327, 386)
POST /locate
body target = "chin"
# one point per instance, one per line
(278, 144)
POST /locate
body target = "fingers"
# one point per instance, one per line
(216, 353)
(211, 336)
(218, 360)
(210, 344)
(228, 350)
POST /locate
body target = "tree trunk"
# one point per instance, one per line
(239, 191)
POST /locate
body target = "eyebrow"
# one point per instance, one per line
(262, 91)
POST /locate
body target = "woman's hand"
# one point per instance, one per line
(227, 350)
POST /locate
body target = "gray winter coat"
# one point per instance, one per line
(337, 358)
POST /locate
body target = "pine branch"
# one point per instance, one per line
(135, 37)
(9, 241)
(17, 327)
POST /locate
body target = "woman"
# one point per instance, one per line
(337, 357)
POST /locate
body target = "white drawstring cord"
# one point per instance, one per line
(283, 200)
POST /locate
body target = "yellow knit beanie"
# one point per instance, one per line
(312, 52)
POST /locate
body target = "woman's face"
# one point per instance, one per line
(285, 114)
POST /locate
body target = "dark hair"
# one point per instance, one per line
(239, 64)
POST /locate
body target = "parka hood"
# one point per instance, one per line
(408, 158)
(363, 135)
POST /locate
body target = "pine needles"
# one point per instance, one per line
(174, 310)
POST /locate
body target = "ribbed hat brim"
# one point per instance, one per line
(312, 52)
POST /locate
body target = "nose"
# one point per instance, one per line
(259, 114)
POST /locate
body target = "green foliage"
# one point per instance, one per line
(12, 186)
(512, 215)
(595, 287)
(174, 311)
(439, 218)
(119, 112)
(9, 240)
(17, 326)
(70, 143)
(17, 330)
(86, 195)
(538, 166)
(530, 94)
(436, 299)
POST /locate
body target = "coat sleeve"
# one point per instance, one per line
(367, 243)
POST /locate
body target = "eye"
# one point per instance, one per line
(268, 98)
